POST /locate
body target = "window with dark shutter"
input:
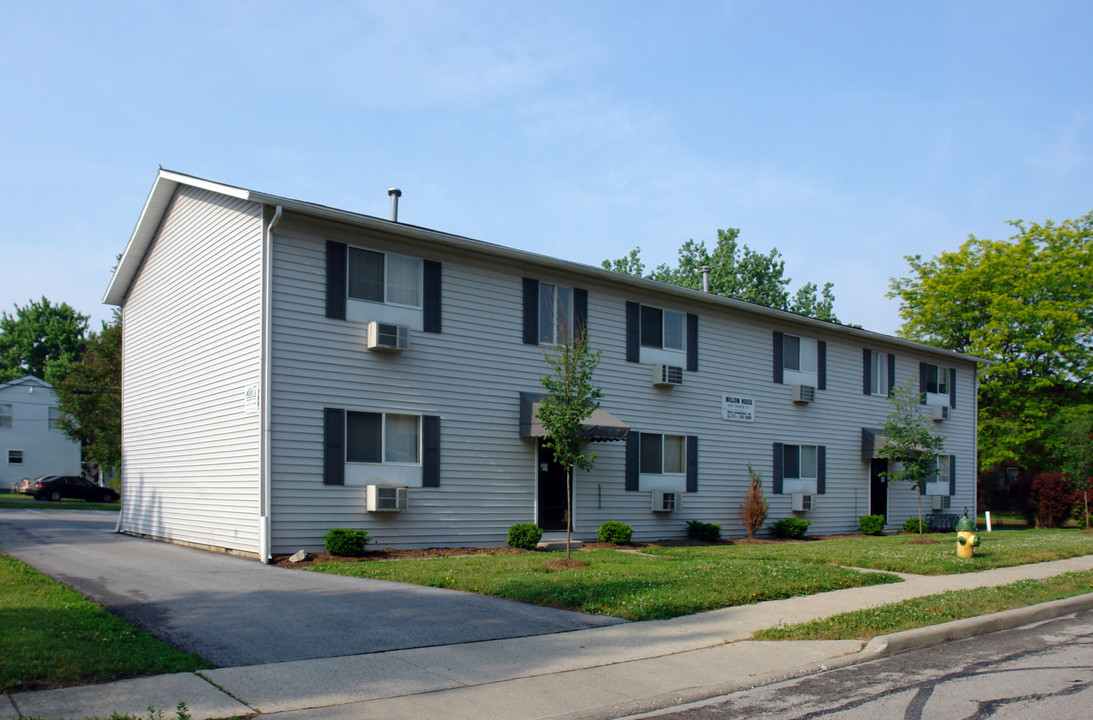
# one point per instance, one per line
(430, 451)
(432, 276)
(335, 279)
(633, 460)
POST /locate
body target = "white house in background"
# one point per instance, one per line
(290, 367)
(30, 440)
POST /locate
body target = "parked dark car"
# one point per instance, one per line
(72, 486)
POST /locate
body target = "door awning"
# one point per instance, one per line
(872, 440)
(601, 426)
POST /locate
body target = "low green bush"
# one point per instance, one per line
(346, 542)
(913, 524)
(613, 531)
(790, 528)
(525, 536)
(871, 524)
(704, 531)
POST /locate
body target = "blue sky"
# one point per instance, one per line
(846, 134)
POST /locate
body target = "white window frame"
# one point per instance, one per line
(384, 439)
(387, 281)
(6, 415)
(680, 441)
(556, 318)
(806, 479)
(667, 353)
(878, 373)
(806, 358)
(937, 396)
(55, 416)
(940, 484)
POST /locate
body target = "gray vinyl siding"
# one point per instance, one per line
(471, 374)
(190, 452)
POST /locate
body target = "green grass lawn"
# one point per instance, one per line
(51, 636)
(673, 582)
(17, 500)
(934, 609)
(664, 582)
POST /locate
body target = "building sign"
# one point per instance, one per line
(734, 407)
(251, 400)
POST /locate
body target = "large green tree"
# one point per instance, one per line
(40, 339)
(570, 399)
(90, 398)
(1026, 304)
(735, 271)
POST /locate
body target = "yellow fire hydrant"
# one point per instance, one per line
(966, 539)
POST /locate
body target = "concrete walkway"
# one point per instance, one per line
(604, 672)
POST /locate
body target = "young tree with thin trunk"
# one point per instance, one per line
(571, 398)
(908, 441)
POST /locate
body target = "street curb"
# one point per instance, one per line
(877, 648)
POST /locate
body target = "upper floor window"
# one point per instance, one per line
(555, 314)
(55, 418)
(663, 329)
(937, 379)
(663, 454)
(15, 457)
(879, 370)
(381, 438)
(384, 277)
(937, 384)
(800, 360)
(5, 415)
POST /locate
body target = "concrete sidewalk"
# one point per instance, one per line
(602, 672)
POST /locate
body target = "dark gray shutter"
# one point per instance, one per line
(778, 355)
(821, 365)
(867, 377)
(431, 310)
(633, 460)
(692, 463)
(777, 484)
(923, 372)
(952, 475)
(652, 327)
(336, 280)
(891, 373)
(952, 388)
(333, 446)
(692, 342)
(430, 451)
(633, 338)
(922, 488)
(531, 311)
(580, 311)
(821, 469)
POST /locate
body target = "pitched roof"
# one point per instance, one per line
(167, 181)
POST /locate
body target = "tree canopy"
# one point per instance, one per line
(40, 339)
(736, 271)
(1026, 304)
(90, 398)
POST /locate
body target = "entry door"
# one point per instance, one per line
(878, 487)
(552, 504)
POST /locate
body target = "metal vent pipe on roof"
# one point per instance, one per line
(395, 194)
(705, 269)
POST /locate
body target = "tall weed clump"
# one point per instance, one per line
(754, 510)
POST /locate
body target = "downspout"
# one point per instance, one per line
(264, 482)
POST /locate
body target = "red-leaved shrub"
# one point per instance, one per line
(1051, 500)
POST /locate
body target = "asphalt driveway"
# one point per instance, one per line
(237, 612)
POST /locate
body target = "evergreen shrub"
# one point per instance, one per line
(613, 531)
(525, 536)
(346, 542)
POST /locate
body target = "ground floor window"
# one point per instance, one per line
(15, 457)
(381, 438)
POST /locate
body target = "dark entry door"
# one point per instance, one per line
(878, 487)
(552, 504)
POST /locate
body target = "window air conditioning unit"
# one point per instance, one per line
(386, 498)
(665, 501)
(385, 337)
(941, 412)
(667, 375)
(940, 502)
(804, 394)
(802, 502)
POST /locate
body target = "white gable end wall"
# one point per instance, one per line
(192, 346)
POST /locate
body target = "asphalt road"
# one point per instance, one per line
(234, 611)
(1038, 671)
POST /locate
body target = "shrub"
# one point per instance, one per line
(790, 528)
(525, 536)
(871, 524)
(914, 525)
(346, 542)
(1052, 500)
(754, 510)
(616, 532)
(704, 531)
